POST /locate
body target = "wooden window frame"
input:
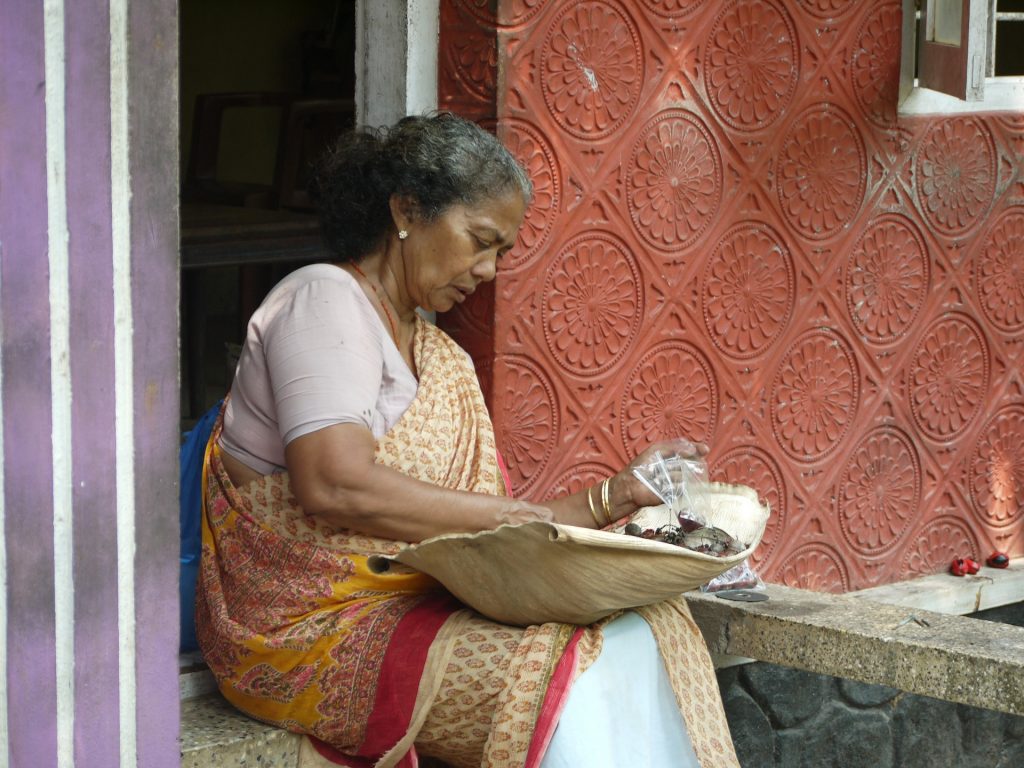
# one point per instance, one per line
(955, 78)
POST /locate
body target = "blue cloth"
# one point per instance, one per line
(190, 501)
(621, 711)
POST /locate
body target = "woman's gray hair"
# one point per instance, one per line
(433, 161)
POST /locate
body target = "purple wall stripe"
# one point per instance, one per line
(92, 365)
(153, 56)
(28, 491)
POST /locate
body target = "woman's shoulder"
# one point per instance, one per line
(320, 277)
(314, 291)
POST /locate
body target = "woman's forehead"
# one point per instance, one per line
(502, 212)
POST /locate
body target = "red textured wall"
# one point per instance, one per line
(734, 239)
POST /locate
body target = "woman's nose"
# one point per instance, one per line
(486, 268)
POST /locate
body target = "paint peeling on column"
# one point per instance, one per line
(60, 378)
(124, 421)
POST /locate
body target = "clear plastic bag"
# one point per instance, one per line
(679, 482)
(682, 484)
(740, 576)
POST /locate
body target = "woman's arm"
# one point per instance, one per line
(334, 476)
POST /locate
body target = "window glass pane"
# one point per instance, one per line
(1009, 48)
(1011, 6)
(945, 21)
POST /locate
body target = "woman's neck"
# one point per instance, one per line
(387, 271)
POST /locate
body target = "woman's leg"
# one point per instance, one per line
(622, 711)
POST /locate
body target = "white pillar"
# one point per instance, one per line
(396, 59)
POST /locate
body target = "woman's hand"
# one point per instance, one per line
(627, 494)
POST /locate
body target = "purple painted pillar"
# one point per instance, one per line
(89, 383)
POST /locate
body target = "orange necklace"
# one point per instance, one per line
(380, 300)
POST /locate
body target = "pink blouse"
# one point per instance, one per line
(316, 354)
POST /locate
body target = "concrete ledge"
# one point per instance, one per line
(944, 593)
(216, 735)
(954, 658)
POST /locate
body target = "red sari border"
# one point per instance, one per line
(398, 684)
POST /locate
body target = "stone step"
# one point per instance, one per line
(216, 735)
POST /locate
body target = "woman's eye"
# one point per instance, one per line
(483, 244)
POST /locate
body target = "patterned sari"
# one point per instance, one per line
(379, 669)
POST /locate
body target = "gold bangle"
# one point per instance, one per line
(605, 505)
(593, 511)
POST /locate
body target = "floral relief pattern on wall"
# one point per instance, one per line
(748, 290)
(528, 419)
(674, 180)
(875, 68)
(592, 303)
(821, 172)
(736, 238)
(815, 395)
(997, 470)
(949, 377)
(534, 153)
(749, 64)
(592, 70)
(671, 392)
(817, 567)
(887, 279)
(880, 491)
(1000, 273)
(935, 546)
(956, 174)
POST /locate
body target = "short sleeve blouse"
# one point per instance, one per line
(316, 354)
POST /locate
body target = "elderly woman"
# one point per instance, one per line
(354, 425)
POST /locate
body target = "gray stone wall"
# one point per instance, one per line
(786, 718)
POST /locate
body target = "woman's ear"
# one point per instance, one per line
(403, 211)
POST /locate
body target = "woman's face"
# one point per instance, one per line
(446, 259)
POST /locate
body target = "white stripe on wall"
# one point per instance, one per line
(124, 422)
(60, 378)
(5, 741)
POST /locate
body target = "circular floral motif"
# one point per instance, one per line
(1001, 273)
(886, 279)
(750, 64)
(955, 169)
(674, 181)
(753, 467)
(948, 378)
(935, 546)
(472, 57)
(821, 172)
(534, 153)
(997, 470)
(826, 9)
(875, 69)
(815, 395)
(880, 491)
(592, 69)
(528, 424)
(579, 477)
(817, 568)
(592, 303)
(670, 393)
(748, 290)
(672, 9)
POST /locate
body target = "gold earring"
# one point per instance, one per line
(402, 234)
